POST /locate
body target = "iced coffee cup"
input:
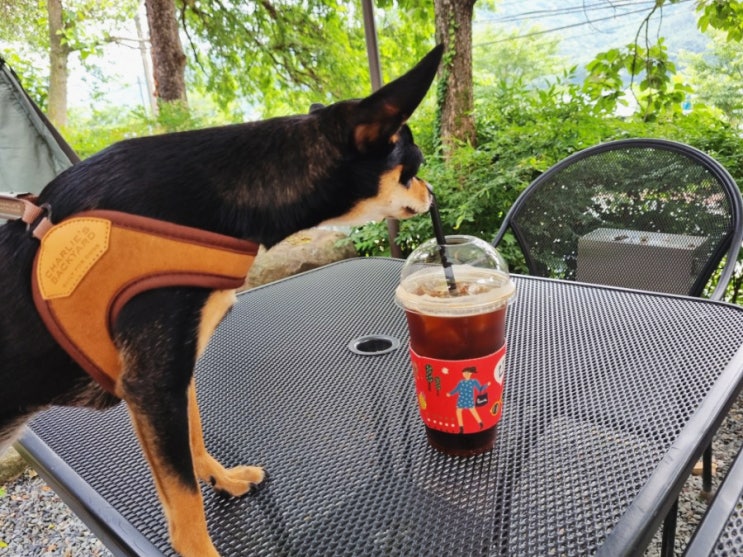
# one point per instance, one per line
(455, 298)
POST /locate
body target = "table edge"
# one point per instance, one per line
(116, 533)
(633, 532)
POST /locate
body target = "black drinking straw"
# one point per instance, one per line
(438, 231)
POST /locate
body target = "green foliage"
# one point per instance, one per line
(175, 116)
(87, 24)
(655, 93)
(716, 77)
(722, 15)
(284, 55)
(34, 84)
(24, 22)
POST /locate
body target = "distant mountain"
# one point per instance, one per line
(587, 27)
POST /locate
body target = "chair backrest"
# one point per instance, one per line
(649, 214)
(32, 152)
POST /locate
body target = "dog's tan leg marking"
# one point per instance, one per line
(234, 481)
(183, 505)
(217, 305)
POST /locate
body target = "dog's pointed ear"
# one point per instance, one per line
(379, 116)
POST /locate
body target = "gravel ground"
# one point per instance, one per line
(35, 523)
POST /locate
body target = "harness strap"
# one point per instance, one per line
(90, 265)
(23, 206)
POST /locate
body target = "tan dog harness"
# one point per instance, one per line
(91, 264)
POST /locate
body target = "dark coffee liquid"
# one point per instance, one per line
(458, 338)
(457, 444)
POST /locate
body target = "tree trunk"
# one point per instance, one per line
(168, 59)
(58, 55)
(454, 30)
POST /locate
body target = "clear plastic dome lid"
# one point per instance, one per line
(466, 276)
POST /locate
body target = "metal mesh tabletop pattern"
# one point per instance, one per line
(610, 396)
(731, 540)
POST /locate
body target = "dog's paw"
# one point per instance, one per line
(237, 481)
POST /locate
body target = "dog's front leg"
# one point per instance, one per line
(234, 481)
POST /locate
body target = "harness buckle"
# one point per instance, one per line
(23, 206)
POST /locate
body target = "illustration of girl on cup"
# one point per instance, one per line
(465, 391)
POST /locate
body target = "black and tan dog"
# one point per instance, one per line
(350, 162)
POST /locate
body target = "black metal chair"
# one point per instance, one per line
(648, 214)
(720, 532)
(619, 212)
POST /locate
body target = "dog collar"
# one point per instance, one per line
(91, 264)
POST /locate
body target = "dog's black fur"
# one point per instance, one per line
(348, 162)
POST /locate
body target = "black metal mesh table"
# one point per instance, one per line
(611, 396)
(720, 533)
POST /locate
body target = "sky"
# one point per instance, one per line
(586, 27)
